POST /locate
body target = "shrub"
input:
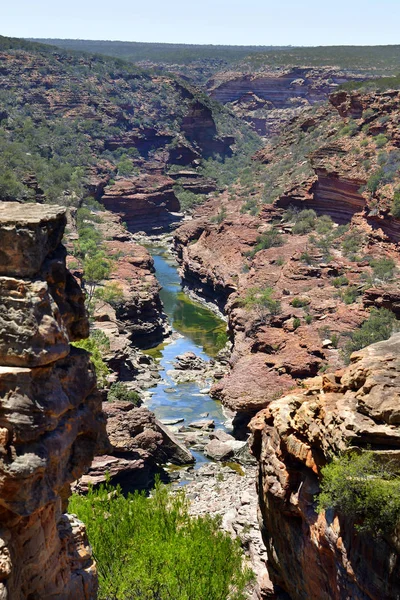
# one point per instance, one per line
(306, 258)
(305, 222)
(220, 216)
(349, 294)
(383, 268)
(262, 300)
(97, 345)
(120, 391)
(362, 489)
(308, 319)
(111, 292)
(267, 240)
(351, 244)
(324, 225)
(395, 209)
(299, 302)
(381, 140)
(151, 548)
(296, 322)
(340, 281)
(379, 326)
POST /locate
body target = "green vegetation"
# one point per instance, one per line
(372, 60)
(267, 240)
(395, 209)
(187, 199)
(351, 244)
(111, 292)
(150, 548)
(120, 391)
(379, 326)
(300, 302)
(98, 345)
(53, 153)
(364, 490)
(261, 300)
(349, 294)
(296, 323)
(383, 269)
(340, 281)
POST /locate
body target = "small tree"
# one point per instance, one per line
(96, 268)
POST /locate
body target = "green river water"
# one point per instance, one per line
(201, 332)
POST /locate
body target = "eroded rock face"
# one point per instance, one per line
(321, 556)
(50, 410)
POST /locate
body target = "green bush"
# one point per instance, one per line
(379, 326)
(324, 225)
(150, 548)
(267, 240)
(383, 268)
(111, 292)
(349, 294)
(261, 299)
(362, 489)
(120, 391)
(395, 209)
(340, 281)
(381, 140)
(299, 302)
(351, 244)
(296, 322)
(97, 345)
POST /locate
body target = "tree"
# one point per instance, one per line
(96, 268)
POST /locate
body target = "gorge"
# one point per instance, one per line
(243, 300)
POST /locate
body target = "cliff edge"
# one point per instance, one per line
(322, 556)
(50, 411)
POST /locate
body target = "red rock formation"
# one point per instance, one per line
(321, 556)
(50, 413)
(145, 203)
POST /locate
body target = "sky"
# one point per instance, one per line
(237, 22)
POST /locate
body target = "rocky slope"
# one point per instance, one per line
(50, 411)
(269, 99)
(321, 556)
(250, 241)
(74, 125)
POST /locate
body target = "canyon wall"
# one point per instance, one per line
(50, 410)
(322, 556)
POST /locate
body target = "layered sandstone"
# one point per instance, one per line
(322, 556)
(50, 411)
(145, 202)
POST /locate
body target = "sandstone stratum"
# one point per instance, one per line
(292, 439)
(50, 410)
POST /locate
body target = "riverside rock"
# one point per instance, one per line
(50, 411)
(311, 554)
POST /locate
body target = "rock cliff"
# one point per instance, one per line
(50, 411)
(322, 556)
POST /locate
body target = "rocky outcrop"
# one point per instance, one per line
(269, 99)
(50, 411)
(137, 315)
(322, 556)
(145, 203)
(136, 443)
(200, 129)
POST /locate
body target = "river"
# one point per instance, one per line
(196, 329)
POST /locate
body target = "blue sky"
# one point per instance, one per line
(240, 22)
